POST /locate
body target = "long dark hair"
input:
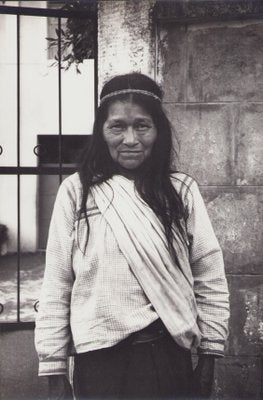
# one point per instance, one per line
(152, 181)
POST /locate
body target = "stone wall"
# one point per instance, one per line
(211, 68)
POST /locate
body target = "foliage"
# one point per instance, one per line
(78, 38)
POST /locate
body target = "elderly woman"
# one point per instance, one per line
(134, 274)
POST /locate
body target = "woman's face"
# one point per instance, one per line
(129, 133)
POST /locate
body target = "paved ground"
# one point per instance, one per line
(31, 275)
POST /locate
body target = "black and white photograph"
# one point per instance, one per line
(131, 200)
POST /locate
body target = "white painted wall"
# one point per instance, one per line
(39, 114)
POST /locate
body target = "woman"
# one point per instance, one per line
(134, 274)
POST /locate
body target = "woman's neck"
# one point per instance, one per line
(127, 173)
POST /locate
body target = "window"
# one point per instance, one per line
(44, 110)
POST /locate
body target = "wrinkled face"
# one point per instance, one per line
(129, 133)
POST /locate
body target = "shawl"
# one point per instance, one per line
(141, 238)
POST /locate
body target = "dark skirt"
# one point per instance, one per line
(155, 369)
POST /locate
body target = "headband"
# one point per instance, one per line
(124, 91)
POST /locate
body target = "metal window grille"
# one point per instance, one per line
(19, 170)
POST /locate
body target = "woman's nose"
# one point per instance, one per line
(130, 137)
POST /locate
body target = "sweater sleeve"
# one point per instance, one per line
(210, 285)
(52, 333)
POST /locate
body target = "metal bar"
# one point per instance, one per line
(59, 102)
(15, 326)
(45, 12)
(36, 170)
(96, 65)
(18, 165)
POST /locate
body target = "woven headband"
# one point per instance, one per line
(124, 91)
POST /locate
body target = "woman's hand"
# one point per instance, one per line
(204, 376)
(59, 388)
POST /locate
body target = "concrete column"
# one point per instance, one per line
(125, 38)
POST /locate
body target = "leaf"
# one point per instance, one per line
(77, 38)
(67, 57)
(58, 32)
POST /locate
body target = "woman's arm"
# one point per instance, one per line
(210, 285)
(211, 291)
(52, 334)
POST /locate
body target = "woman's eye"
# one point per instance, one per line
(117, 127)
(142, 127)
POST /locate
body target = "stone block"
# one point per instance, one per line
(236, 214)
(237, 378)
(249, 145)
(190, 10)
(246, 315)
(220, 61)
(225, 62)
(205, 137)
(171, 59)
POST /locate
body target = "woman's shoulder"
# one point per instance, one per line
(72, 181)
(71, 186)
(186, 186)
(182, 182)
